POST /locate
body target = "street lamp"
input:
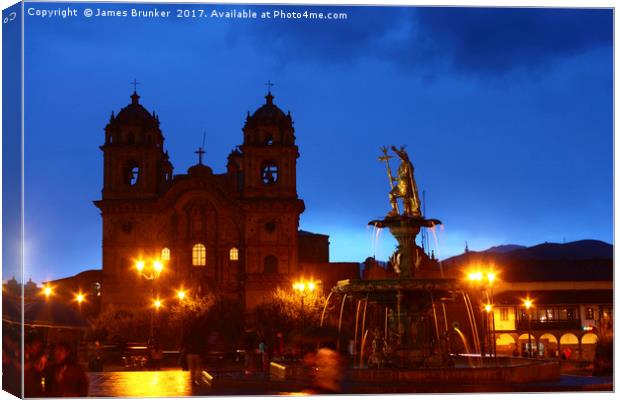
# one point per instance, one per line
(527, 303)
(157, 303)
(303, 288)
(475, 276)
(485, 280)
(47, 291)
(151, 271)
(491, 278)
(489, 317)
(181, 294)
(80, 298)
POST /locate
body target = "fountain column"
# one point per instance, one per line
(405, 233)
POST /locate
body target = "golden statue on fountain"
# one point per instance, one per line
(403, 186)
(408, 257)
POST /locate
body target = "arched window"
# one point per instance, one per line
(165, 254)
(199, 255)
(269, 173)
(234, 254)
(132, 173)
(271, 265)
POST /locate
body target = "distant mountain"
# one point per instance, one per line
(580, 260)
(504, 248)
(580, 250)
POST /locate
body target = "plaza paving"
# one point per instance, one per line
(173, 383)
(141, 384)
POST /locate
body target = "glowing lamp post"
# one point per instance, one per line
(80, 298)
(157, 304)
(527, 303)
(491, 277)
(303, 288)
(151, 271)
(488, 308)
(181, 294)
(485, 281)
(47, 291)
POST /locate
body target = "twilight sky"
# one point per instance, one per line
(506, 114)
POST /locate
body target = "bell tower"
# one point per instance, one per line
(135, 164)
(269, 153)
(267, 166)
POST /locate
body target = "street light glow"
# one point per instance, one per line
(158, 266)
(80, 297)
(47, 290)
(491, 277)
(302, 286)
(527, 303)
(475, 276)
(488, 308)
(157, 303)
(181, 294)
(140, 265)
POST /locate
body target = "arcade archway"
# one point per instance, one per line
(505, 344)
(548, 346)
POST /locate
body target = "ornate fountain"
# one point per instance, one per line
(415, 329)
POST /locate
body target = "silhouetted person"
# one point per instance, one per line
(11, 360)
(156, 354)
(263, 352)
(38, 374)
(329, 371)
(69, 378)
(250, 345)
(183, 358)
(95, 357)
(278, 347)
(194, 347)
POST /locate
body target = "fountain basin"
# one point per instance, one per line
(500, 370)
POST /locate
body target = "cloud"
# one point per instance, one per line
(343, 40)
(497, 40)
(466, 40)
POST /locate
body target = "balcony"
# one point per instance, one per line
(537, 325)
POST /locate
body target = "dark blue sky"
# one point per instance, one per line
(507, 115)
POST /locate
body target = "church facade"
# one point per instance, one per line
(234, 233)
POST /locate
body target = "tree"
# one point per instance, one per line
(282, 312)
(119, 326)
(208, 315)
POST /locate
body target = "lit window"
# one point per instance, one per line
(234, 254)
(165, 254)
(589, 313)
(199, 254)
(503, 314)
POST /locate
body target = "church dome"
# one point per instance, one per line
(200, 170)
(135, 113)
(268, 113)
